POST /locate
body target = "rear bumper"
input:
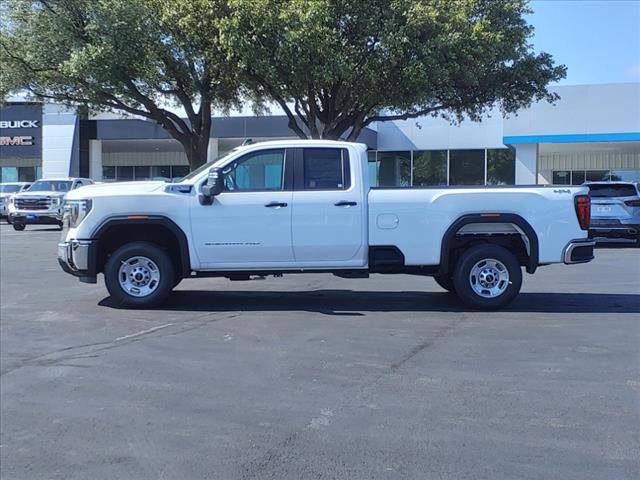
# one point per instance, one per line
(615, 230)
(78, 258)
(579, 251)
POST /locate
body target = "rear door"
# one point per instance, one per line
(328, 215)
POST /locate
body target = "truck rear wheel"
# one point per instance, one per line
(18, 226)
(139, 275)
(487, 277)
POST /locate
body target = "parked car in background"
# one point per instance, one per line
(43, 203)
(615, 210)
(7, 190)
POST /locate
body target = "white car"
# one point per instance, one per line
(304, 206)
(7, 190)
(43, 203)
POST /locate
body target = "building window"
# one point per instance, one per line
(179, 171)
(578, 177)
(161, 172)
(9, 174)
(466, 167)
(598, 175)
(20, 174)
(562, 177)
(373, 168)
(429, 168)
(125, 173)
(625, 176)
(394, 169)
(501, 166)
(142, 173)
(108, 173)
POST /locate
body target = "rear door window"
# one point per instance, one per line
(612, 190)
(326, 169)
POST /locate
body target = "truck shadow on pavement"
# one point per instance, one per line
(348, 302)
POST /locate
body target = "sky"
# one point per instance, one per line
(598, 40)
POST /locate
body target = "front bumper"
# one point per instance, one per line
(78, 258)
(36, 217)
(579, 251)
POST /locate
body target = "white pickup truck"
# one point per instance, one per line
(304, 206)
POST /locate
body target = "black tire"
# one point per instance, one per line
(446, 282)
(464, 283)
(19, 226)
(152, 252)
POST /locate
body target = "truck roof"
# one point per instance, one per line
(303, 143)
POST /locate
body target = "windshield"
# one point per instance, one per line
(51, 186)
(605, 190)
(204, 167)
(9, 188)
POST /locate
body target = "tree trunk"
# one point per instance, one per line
(196, 148)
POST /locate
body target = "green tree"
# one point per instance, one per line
(336, 66)
(142, 57)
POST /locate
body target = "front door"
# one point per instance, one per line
(328, 209)
(249, 223)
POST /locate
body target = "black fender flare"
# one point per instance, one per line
(149, 220)
(447, 239)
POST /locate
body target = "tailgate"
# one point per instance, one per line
(609, 208)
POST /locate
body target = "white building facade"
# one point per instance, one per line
(591, 133)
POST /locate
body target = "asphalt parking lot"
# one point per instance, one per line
(318, 377)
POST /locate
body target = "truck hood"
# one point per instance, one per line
(40, 194)
(116, 188)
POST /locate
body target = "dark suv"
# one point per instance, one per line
(615, 210)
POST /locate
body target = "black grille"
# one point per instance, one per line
(32, 203)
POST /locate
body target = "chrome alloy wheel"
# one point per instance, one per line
(139, 276)
(489, 278)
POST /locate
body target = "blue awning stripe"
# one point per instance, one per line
(573, 138)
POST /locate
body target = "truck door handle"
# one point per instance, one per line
(275, 205)
(344, 203)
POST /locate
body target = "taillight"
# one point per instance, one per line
(632, 203)
(583, 210)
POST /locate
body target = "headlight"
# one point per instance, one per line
(11, 200)
(55, 201)
(75, 211)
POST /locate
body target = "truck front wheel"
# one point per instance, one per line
(487, 277)
(139, 275)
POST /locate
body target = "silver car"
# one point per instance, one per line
(7, 190)
(615, 210)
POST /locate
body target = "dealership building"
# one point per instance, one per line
(591, 133)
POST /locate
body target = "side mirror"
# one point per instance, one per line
(213, 187)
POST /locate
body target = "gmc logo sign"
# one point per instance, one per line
(19, 123)
(20, 141)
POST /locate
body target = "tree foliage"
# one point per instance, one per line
(336, 66)
(333, 66)
(141, 57)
